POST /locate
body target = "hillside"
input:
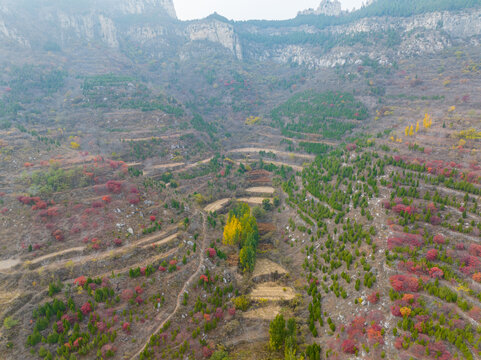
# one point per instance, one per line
(211, 189)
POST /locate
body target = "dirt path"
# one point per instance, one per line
(161, 242)
(261, 190)
(253, 200)
(277, 152)
(106, 254)
(279, 163)
(46, 257)
(217, 205)
(186, 285)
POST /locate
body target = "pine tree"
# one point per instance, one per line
(277, 332)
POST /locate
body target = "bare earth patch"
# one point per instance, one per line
(267, 267)
(252, 200)
(272, 292)
(261, 190)
(7, 264)
(263, 313)
(217, 205)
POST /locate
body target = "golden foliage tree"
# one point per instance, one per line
(232, 231)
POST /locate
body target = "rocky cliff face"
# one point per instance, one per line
(217, 32)
(151, 25)
(418, 35)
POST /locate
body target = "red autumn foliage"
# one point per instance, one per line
(432, 208)
(117, 242)
(435, 220)
(127, 294)
(373, 298)
(126, 326)
(211, 252)
(349, 347)
(107, 199)
(152, 218)
(204, 278)
(114, 186)
(351, 147)
(58, 235)
(80, 281)
(386, 204)
(133, 199)
(231, 311)
(431, 255)
(139, 300)
(207, 352)
(86, 308)
(436, 272)
(162, 269)
(108, 349)
(475, 250)
(139, 290)
(374, 334)
(405, 239)
(439, 239)
(404, 283)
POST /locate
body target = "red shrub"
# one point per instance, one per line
(139, 300)
(117, 242)
(211, 252)
(351, 147)
(349, 347)
(139, 290)
(431, 255)
(114, 186)
(439, 239)
(207, 352)
(386, 204)
(162, 269)
(97, 204)
(436, 272)
(152, 218)
(373, 298)
(108, 349)
(219, 313)
(475, 249)
(126, 327)
(58, 235)
(204, 278)
(133, 199)
(86, 308)
(80, 281)
(435, 220)
(404, 283)
(232, 311)
(127, 294)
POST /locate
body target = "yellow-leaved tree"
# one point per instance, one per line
(417, 126)
(232, 231)
(411, 131)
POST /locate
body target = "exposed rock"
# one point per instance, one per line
(216, 31)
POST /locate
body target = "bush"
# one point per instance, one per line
(9, 322)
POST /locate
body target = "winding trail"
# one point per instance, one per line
(184, 288)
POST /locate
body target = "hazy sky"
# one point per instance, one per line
(249, 9)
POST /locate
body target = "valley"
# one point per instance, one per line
(168, 194)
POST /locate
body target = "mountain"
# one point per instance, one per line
(311, 40)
